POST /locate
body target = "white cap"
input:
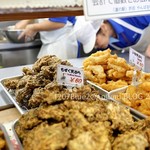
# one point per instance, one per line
(86, 33)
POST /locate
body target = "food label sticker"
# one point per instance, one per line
(102, 9)
(136, 59)
(70, 76)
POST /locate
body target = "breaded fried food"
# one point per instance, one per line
(36, 99)
(133, 140)
(95, 73)
(45, 137)
(30, 119)
(112, 85)
(11, 84)
(51, 112)
(91, 139)
(120, 116)
(98, 58)
(2, 140)
(145, 86)
(108, 71)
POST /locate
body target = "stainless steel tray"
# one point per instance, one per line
(9, 145)
(132, 110)
(16, 136)
(11, 95)
(103, 93)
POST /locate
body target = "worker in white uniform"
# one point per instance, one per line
(54, 34)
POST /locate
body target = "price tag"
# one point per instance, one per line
(102, 9)
(69, 76)
(136, 59)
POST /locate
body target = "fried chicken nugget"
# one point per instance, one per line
(143, 106)
(119, 62)
(145, 86)
(47, 137)
(98, 58)
(112, 85)
(95, 139)
(133, 140)
(95, 73)
(113, 74)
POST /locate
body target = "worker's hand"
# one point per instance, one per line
(29, 33)
(147, 52)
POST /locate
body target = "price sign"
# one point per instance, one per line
(136, 59)
(102, 9)
(69, 76)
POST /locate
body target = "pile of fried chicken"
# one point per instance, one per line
(136, 96)
(61, 118)
(108, 71)
(87, 123)
(29, 88)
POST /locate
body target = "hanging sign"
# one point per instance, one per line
(103, 9)
(136, 59)
(69, 76)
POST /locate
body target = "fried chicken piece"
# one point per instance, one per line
(28, 71)
(76, 119)
(2, 141)
(36, 99)
(120, 116)
(45, 61)
(95, 138)
(143, 106)
(145, 86)
(20, 131)
(112, 85)
(95, 111)
(92, 110)
(30, 119)
(51, 112)
(76, 93)
(132, 141)
(119, 64)
(44, 137)
(23, 90)
(11, 84)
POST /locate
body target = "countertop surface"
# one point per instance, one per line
(17, 71)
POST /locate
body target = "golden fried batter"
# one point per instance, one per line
(103, 68)
(2, 141)
(45, 137)
(132, 141)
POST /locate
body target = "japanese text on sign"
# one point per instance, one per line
(69, 76)
(137, 59)
(102, 9)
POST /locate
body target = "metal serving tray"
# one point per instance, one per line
(9, 145)
(11, 94)
(16, 136)
(103, 93)
(132, 110)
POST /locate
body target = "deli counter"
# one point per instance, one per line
(17, 71)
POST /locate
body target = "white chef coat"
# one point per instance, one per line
(59, 42)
